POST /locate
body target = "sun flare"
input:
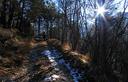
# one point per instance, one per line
(101, 11)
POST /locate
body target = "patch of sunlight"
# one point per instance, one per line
(43, 43)
(85, 58)
(74, 53)
(53, 77)
(66, 46)
(16, 40)
(84, 61)
(32, 44)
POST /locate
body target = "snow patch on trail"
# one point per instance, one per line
(56, 59)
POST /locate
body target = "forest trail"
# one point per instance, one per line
(63, 70)
(44, 63)
(46, 67)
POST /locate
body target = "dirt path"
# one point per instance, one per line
(36, 68)
(41, 64)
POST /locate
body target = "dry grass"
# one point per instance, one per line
(54, 42)
(66, 47)
(84, 58)
(7, 33)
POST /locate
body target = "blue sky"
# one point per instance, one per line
(90, 11)
(120, 7)
(56, 2)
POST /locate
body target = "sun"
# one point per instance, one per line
(101, 11)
